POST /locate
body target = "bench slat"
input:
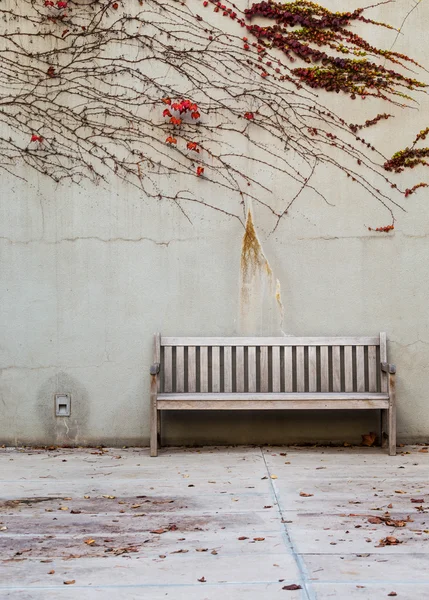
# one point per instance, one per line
(227, 368)
(216, 369)
(276, 368)
(288, 369)
(312, 369)
(251, 368)
(180, 369)
(239, 368)
(168, 369)
(192, 369)
(372, 368)
(300, 372)
(360, 368)
(324, 369)
(348, 368)
(336, 369)
(271, 341)
(264, 369)
(204, 369)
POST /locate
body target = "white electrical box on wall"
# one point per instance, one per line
(62, 405)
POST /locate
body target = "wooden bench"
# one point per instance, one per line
(270, 373)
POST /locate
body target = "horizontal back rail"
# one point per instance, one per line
(271, 341)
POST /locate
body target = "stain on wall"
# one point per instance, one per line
(63, 431)
(261, 306)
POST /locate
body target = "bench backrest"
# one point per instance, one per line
(271, 364)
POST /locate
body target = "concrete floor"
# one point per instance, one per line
(214, 524)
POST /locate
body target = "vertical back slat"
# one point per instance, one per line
(251, 368)
(204, 369)
(239, 368)
(168, 369)
(348, 368)
(192, 369)
(288, 369)
(264, 369)
(372, 368)
(312, 369)
(324, 369)
(180, 369)
(227, 369)
(383, 358)
(276, 368)
(336, 369)
(360, 368)
(215, 369)
(300, 373)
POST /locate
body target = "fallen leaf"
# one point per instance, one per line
(375, 520)
(258, 539)
(159, 531)
(201, 549)
(243, 537)
(202, 579)
(213, 552)
(425, 450)
(108, 497)
(417, 500)
(292, 587)
(395, 523)
(181, 551)
(75, 512)
(51, 572)
(4, 528)
(368, 439)
(273, 476)
(304, 495)
(162, 556)
(392, 594)
(391, 505)
(69, 582)
(400, 492)
(89, 541)
(136, 506)
(63, 508)
(268, 506)
(388, 541)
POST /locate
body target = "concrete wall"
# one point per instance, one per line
(88, 274)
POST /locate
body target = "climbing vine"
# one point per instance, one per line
(158, 93)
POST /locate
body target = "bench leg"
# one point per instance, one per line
(159, 428)
(153, 427)
(392, 430)
(392, 415)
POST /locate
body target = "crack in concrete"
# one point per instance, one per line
(44, 367)
(410, 344)
(97, 239)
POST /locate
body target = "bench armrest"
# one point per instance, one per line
(154, 369)
(387, 368)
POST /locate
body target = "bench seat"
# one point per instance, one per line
(272, 401)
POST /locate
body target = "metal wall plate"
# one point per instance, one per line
(62, 405)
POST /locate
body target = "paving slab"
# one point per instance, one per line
(214, 523)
